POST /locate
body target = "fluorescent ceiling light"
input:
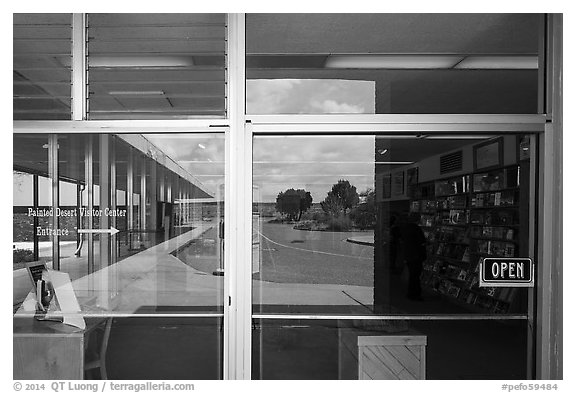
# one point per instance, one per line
(137, 93)
(141, 61)
(432, 62)
(452, 137)
(393, 61)
(499, 62)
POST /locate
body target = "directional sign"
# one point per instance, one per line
(506, 272)
(111, 231)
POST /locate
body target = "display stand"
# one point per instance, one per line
(464, 219)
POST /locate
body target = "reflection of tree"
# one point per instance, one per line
(340, 198)
(293, 203)
(364, 215)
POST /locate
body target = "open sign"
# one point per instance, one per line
(506, 272)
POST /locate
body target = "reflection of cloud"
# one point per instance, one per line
(290, 96)
(206, 164)
(269, 96)
(309, 148)
(331, 106)
(312, 163)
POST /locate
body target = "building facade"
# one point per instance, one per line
(287, 196)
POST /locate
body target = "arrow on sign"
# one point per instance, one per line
(111, 231)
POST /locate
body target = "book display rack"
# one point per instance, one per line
(467, 218)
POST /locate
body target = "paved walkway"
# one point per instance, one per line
(154, 279)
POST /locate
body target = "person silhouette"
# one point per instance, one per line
(394, 240)
(414, 246)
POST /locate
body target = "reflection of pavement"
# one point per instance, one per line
(304, 268)
(152, 277)
(314, 257)
(313, 268)
(155, 278)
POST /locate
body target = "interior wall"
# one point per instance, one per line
(429, 167)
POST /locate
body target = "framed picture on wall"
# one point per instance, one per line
(398, 184)
(386, 186)
(489, 154)
(412, 177)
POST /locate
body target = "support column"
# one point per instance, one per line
(36, 223)
(143, 224)
(55, 193)
(89, 223)
(104, 278)
(104, 199)
(153, 195)
(178, 197)
(130, 198)
(113, 203)
(78, 217)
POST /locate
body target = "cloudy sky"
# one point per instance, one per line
(296, 96)
(202, 155)
(313, 163)
(310, 162)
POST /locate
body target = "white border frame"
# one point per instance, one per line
(239, 130)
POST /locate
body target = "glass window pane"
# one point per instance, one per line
(331, 349)
(392, 63)
(140, 221)
(166, 349)
(31, 191)
(42, 66)
(387, 224)
(155, 66)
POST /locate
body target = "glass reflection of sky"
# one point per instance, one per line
(313, 163)
(202, 155)
(294, 96)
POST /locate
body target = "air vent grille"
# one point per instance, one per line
(451, 162)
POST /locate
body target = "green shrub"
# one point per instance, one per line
(21, 255)
(320, 217)
(339, 224)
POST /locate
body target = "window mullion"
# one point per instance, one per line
(79, 67)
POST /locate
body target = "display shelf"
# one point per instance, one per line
(495, 239)
(495, 225)
(494, 207)
(485, 255)
(457, 194)
(456, 243)
(453, 261)
(495, 190)
(483, 197)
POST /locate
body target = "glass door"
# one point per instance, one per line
(366, 255)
